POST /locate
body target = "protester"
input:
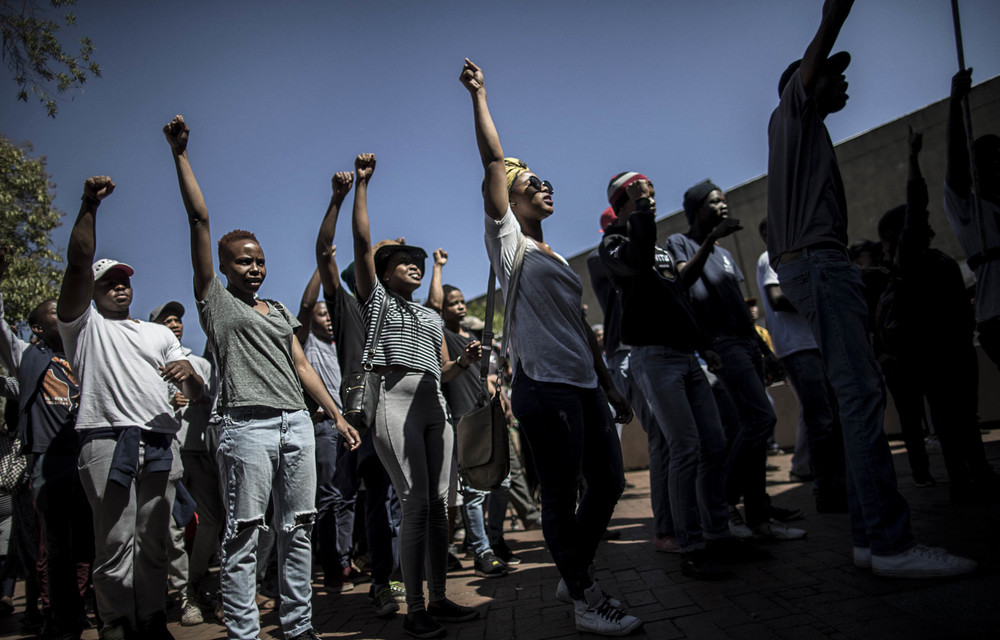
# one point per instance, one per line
(266, 444)
(660, 324)
(49, 396)
(561, 386)
(125, 425)
(947, 375)
(960, 210)
(194, 451)
(413, 437)
(807, 245)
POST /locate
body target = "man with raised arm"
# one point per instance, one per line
(125, 425)
(807, 245)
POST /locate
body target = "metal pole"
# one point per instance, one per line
(966, 112)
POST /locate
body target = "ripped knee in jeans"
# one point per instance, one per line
(244, 525)
(302, 519)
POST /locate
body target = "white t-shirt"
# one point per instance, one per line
(962, 216)
(117, 363)
(194, 417)
(790, 332)
(548, 338)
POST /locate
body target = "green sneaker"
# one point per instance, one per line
(385, 603)
(398, 590)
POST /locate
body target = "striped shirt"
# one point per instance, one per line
(411, 337)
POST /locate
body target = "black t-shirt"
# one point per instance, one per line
(462, 391)
(348, 330)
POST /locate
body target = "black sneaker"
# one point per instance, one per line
(422, 625)
(488, 566)
(448, 611)
(697, 564)
(454, 564)
(503, 552)
(308, 634)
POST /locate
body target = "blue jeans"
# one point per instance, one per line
(680, 396)
(826, 290)
(620, 368)
(482, 530)
(817, 404)
(572, 436)
(264, 453)
(742, 376)
(336, 492)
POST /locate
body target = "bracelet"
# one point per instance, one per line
(90, 200)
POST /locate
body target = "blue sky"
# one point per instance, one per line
(279, 96)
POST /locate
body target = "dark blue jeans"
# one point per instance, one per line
(573, 438)
(826, 289)
(746, 466)
(336, 491)
(817, 402)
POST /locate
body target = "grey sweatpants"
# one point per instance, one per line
(414, 441)
(131, 531)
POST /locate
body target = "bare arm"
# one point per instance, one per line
(325, 251)
(314, 386)
(451, 368)
(690, 271)
(495, 186)
(176, 132)
(834, 15)
(778, 300)
(435, 297)
(364, 258)
(309, 297)
(11, 346)
(958, 173)
(185, 378)
(78, 280)
(623, 411)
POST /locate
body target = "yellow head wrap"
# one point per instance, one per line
(515, 168)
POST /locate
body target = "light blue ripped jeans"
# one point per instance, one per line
(266, 453)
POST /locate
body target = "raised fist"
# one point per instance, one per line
(342, 182)
(364, 166)
(99, 187)
(440, 257)
(472, 77)
(916, 141)
(961, 83)
(176, 132)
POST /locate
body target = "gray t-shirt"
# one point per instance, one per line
(323, 358)
(548, 338)
(805, 193)
(253, 351)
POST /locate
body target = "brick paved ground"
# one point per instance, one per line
(808, 590)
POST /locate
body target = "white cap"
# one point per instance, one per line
(103, 266)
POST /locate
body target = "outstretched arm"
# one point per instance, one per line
(309, 297)
(916, 235)
(78, 280)
(325, 251)
(176, 132)
(11, 346)
(690, 271)
(364, 258)
(958, 173)
(834, 15)
(435, 297)
(490, 151)
(314, 386)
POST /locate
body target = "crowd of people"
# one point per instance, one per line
(147, 462)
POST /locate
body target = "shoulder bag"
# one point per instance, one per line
(360, 390)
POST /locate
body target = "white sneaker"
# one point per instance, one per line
(191, 615)
(921, 562)
(596, 614)
(737, 526)
(563, 595)
(774, 530)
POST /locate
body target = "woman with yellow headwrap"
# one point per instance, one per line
(561, 387)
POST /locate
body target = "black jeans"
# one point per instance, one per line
(573, 438)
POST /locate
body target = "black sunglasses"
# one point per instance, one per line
(538, 184)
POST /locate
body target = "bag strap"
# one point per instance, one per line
(370, 353)
(509, 302)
